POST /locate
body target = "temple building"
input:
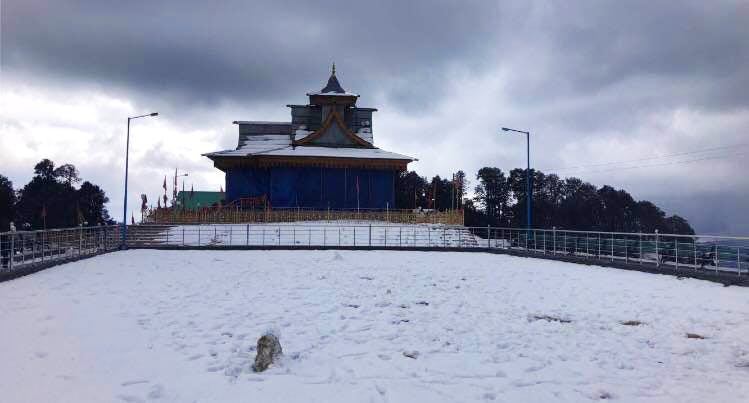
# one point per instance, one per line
(323, 158)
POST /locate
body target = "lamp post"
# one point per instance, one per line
(529, 197)
(127, 160)
(183, 186)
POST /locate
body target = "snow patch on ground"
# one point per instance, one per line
(356, 326)
(318, 233)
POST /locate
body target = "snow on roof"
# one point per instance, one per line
(281, 145)
(252, 149)
(333, 94)
(259, 122)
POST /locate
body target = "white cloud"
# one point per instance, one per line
(88, 129)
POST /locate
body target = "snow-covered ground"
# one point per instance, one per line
(181, 326)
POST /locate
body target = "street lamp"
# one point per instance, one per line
(528, 174)
(183, 185)
(127, 159)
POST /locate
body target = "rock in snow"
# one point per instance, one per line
(268, 351)
(411, 354)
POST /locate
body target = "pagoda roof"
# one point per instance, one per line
(334, 144)
(333, 87)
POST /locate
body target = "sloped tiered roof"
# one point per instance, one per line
(263, 140)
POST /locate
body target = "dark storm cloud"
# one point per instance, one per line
(653, 55)
(202, 52)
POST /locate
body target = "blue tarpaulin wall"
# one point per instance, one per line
(319, 188)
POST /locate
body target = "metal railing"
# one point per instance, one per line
(666, 251)
(662, 251)
(26, 249)
(699, 252)
(290, 235)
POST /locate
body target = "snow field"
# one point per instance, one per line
(177, 326)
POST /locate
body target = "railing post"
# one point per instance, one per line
(444, 237)
(717, 258)
(198, 234)
(12, 251)
(738, 259)
(694, 244)
(587, 244)
(489, 235)
(640, 248)
(612, 247)
(183, 236)
(554, 238)
(370, 235)
(23, 250)
(247, 235)
(231, 232)
(294, 236)
(400, 236)
(80, 240)
(657, 252)
(502, 234)
(676, 252)
(626, 249)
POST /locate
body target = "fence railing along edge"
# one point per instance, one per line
(725, 254)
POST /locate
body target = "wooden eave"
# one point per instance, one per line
(334, 117)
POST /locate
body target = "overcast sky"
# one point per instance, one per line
(650, 96)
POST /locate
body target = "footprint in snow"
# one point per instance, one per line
(130, 399)
(134, 382)
(156, 392)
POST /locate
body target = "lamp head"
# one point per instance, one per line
(505, 129)
(154, 114)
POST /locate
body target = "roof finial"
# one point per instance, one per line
(333, 72)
